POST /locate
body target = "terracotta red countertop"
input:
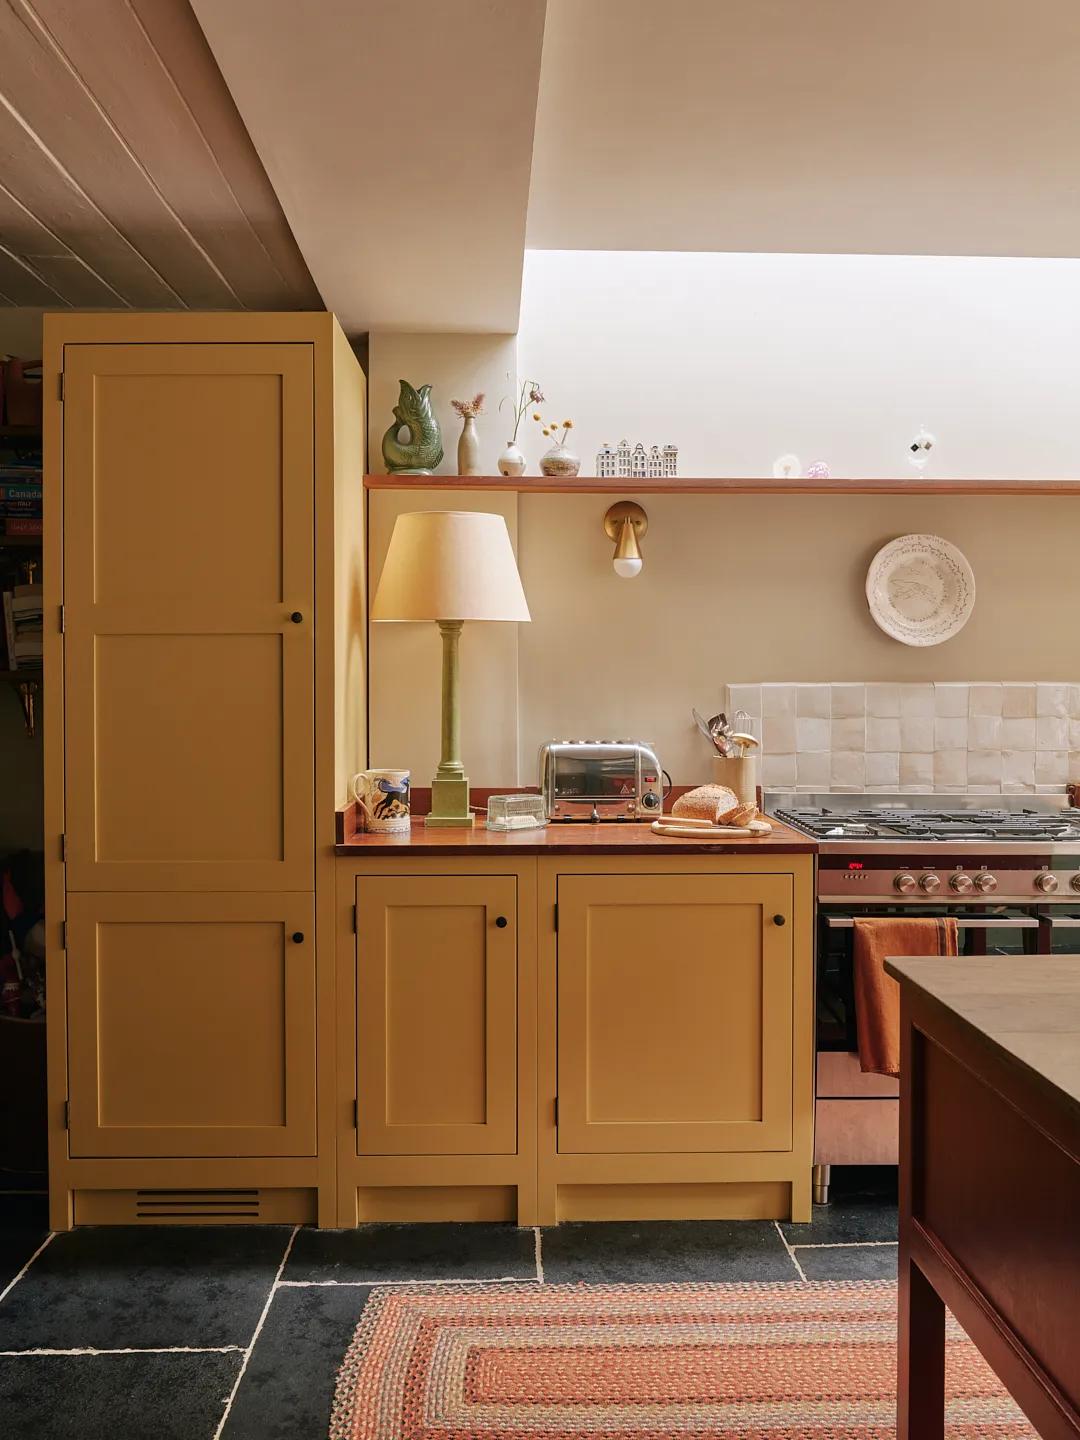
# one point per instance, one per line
(615, 837)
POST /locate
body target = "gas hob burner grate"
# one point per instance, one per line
(897, 823)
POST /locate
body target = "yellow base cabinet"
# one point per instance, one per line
(657, 1051)
(203, 553)
(436, 990)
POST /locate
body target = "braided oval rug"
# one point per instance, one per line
(784, 1361)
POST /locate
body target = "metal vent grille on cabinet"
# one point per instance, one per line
(205, 1204)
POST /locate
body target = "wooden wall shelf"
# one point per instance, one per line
(687, 485)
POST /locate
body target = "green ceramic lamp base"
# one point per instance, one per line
(450, 788)
(450, 803)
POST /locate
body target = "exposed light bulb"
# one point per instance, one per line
(627, 567)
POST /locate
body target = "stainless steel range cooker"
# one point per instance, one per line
(1007, 868)
(914, 850)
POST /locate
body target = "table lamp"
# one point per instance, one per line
(450, 566)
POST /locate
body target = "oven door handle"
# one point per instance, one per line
(1064, 922)
(963, 922)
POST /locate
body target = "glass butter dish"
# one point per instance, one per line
(516, 812)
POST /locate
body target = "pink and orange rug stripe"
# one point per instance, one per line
(655, 1362)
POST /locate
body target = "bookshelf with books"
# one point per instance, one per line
(20, 487)
(20, 568)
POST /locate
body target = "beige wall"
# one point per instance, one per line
(20, 332)
(743, 589)
(457, 367)
(733, 589)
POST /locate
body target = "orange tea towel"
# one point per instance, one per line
(877, 995)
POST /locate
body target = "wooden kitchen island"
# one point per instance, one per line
(990, 1182)
(581, 1022)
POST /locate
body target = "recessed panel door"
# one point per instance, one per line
(191, 1025)
(436, 991)
(189, 624)
(675, 1013)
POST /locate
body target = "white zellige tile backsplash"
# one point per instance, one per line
(1017, 737)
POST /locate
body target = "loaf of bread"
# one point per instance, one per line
(707, 802)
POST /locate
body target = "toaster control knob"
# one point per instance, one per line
(650, 800)
(1075, 882)
(1045, 882)
(963, 884)
(930, 883)
(905, 884)
(985, 883)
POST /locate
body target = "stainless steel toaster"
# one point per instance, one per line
(600, 780)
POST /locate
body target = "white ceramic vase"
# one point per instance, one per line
(512, 460)
(468, 448)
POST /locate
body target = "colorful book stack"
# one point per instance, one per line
(23, 627)
(20, 491)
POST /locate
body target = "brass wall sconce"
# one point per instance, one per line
(625, 523)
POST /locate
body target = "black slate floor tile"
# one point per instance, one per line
(24, 1224)
(849, 1262)
(17, 1244)
(656, 1252)
(114, 1397)
(288, 1386)
(845, 1221)
(134, 1286)
(380, 1253)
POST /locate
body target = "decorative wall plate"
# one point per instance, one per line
(921, 589)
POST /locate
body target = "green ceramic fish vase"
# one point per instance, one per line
(421, 452)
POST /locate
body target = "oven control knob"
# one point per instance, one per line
(1075, 882)
(930, 883)
(905, 884)
(962, 883)
(985, 883)
(1046, 882)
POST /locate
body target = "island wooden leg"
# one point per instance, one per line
(920, 1411)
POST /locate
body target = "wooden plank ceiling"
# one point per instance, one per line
(127, 178)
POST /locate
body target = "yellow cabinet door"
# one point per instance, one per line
(436, 1022)
(675, 1013)
(191, 1025)
(188, 547)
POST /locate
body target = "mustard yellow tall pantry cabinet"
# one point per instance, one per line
(204, 708)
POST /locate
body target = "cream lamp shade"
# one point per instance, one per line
(450, 565)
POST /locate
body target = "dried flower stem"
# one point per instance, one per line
(530, 395)
(552, 428)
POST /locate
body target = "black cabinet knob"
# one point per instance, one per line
(296, 617)
(501, 922)
(779, 919)
(297, 937)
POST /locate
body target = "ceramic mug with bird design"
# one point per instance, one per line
(383, 798)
